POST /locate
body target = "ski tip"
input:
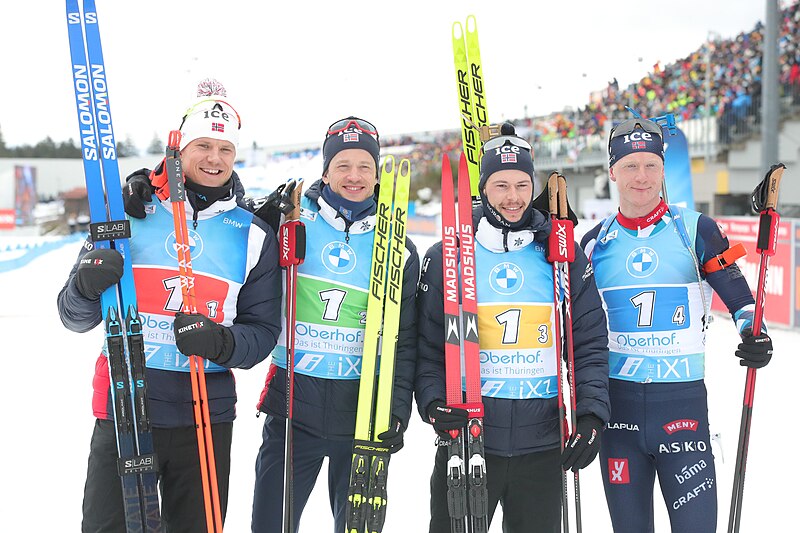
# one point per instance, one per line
(388, 165)
(472, 24)
(458, 31)
(404, 169)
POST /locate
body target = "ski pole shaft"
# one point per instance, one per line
(554, 256)
(205, 444)
(292, 237)
(765, 246)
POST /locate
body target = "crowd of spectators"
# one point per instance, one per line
(678, 88)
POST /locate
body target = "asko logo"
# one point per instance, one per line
(618, 471)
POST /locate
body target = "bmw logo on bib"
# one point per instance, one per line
(195, 245)
(642, 262)
(339, 257)
(506, 278)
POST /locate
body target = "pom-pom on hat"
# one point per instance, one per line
(508, 151)
(210, 116)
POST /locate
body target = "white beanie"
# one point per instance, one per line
(210, 116)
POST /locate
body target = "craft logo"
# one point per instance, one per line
(339, 258)
(642, 262)
(506, 278)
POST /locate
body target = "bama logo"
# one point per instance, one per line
(618, 471)
(195, 245)
(642, 262)
(685, 424)
(506, 278)
(339, 257)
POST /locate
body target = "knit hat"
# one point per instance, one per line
(508, 151)
(505, 152)
(635, 135)
(352, 132)
(210, 116)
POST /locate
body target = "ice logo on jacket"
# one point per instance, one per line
(642, 262)
(506, 278)
(195, 245)
(339, 258)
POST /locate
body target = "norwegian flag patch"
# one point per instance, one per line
(508, 158)
(217, 126)
(350, 137)
(638, 145)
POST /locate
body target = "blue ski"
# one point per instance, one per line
(109, 228)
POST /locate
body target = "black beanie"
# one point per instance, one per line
(503, 154)
(352, 137)
(506, 156)
(635, 135)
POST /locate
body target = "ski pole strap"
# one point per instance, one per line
(293, 243)
(725, 259)
(475, 409)
(768, 233)
(368, 447)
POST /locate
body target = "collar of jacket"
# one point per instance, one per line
(220, 206)
(498, 240)
(330, 215)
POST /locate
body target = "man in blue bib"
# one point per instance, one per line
(655, 266)
(518, 362)
(339, 213)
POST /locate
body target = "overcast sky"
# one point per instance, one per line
(293, 67)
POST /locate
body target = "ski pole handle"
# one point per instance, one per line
(292, 233)
(552, 194)
(174, 168)
(560, 245)
(768, 224)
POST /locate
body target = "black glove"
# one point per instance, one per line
(393, 437)
(583, 445)
(444, 418)
(277, 203)
(755, 350)
(197, 334)
(136, 192)
(97, 271)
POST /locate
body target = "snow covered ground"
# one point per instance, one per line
(45, 410)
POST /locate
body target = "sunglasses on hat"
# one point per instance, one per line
(357, 123)
(203, 105)
(497, 142)
(629, 126)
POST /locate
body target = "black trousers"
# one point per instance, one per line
(182, 507)
(309, 451)
(527, 486)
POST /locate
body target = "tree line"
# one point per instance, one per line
(48, 148)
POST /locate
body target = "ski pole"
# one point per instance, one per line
(765, 200)
(557, 253)
(292, 236)
(202, 416)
